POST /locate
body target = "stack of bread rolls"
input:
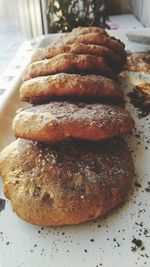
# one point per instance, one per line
(69, 163)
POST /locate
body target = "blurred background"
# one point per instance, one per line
(21, 20)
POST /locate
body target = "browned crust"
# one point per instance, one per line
(70, 85)
(78, 48)
(69, 63)
(58, 121)
(94, 35)
(84, 30)
(68, 183)
(97, 39)
(79, 31)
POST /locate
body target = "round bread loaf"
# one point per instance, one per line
(93, 36)
(43, 89)
(96, 31)
(61, 41)
(65, 183)
(111, 57)
(97, 38)
(58, 121)
(69, 63)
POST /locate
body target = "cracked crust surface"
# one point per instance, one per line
(69, 63)
(65, 183)
(69, 85)
(58, 121)
(83, 30)
(93, 35)
(111, 57)
(97, 39)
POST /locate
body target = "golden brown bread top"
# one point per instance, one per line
(111, 57)
(70, 85)
(78, 31)
(83, 30)
(70, 63)
(97, 39)
(57, 121)
(93, 35)
(65, 183)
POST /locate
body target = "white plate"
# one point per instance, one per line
(105, 242)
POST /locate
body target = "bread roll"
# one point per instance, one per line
(65, 183)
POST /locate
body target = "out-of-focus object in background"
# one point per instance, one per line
(141, 9)
(64, 15)
(141, 38)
